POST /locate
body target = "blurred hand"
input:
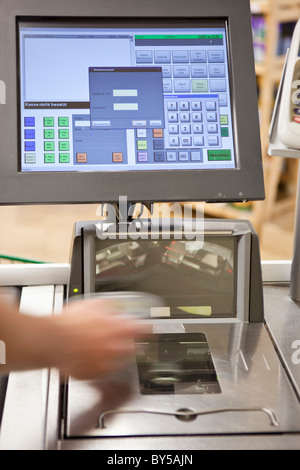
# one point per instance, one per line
(94, 339)
(87, 340)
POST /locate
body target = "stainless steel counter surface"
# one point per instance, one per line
(187, 443)
(282, 315)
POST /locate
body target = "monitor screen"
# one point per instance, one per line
(94, 98)
(151, 101)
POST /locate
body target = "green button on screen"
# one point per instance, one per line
(48, 121)
(64, 145)
(49, 158)
(142, 144)
(63, 133)
(48, 133)
(200, 86)
(64, 158)
(223, 119)
(49, 145)
(224, 131)
(63, 122)
(214, 155)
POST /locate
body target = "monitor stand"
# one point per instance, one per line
(277, 149)
(125, 215)
(295, 270)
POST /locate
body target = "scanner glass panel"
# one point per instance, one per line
(194, 279)
(176, 364)
(94, 98)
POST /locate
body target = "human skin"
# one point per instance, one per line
(88, 339)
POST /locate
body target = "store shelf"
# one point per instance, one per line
(287, 9)
(261, 69)
(260, 7)
(268, 71)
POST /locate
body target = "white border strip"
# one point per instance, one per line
(34, 275)
(276, 271)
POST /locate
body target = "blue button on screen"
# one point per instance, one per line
(30, 146)
(29, 133)
(29, 121)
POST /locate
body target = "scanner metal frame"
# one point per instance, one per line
(249, 280)
(246, 363)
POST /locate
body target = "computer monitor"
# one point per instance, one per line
(155, 101)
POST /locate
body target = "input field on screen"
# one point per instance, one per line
(123, 93)
(126, 106)
(82, 123)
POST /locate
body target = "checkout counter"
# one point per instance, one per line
(224, 377)
(220, 370)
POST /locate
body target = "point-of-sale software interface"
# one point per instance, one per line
(119, 98)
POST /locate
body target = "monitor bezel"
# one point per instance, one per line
(243, 183)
